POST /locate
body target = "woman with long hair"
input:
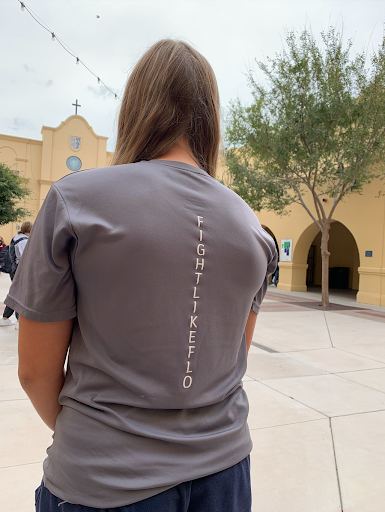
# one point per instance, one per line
(150, 413)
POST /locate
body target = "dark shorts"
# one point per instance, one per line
(226, 491)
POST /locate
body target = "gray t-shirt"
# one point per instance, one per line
(159, 264)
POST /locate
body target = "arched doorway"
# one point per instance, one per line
(344, 260)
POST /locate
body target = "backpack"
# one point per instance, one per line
(8, 257)
(5, 262)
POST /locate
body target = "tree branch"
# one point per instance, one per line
(344, 191)
(319, 208)
(307, 209)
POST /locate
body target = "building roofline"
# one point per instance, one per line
(20, 139)
(75, 116)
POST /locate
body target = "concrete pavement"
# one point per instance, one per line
(316, 386)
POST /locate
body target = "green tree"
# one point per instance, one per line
(315, 129)
(13, 188)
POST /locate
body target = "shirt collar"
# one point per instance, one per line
(181, 165)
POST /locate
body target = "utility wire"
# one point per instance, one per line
(63, 45)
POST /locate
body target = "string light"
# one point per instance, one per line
(54, 37)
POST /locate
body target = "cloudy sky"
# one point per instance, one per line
(39, 81)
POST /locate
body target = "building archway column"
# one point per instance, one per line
(292, 276)
(372, 286)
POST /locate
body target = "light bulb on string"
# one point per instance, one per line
(23, 7)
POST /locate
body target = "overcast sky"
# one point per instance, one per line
(39, 81)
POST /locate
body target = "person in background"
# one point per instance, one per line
(2, 245)
(276, 276)
(19, 243)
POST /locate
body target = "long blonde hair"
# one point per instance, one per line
(171, 93)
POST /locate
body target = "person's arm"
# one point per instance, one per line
(42, 351)
(249, 329)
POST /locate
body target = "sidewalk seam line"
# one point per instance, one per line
(324, 373)
(336, 466)
(19, 465)
(356, 413)
(327, 327)
(365, 357)
(288, 424)
(359, 383)
(287, 396)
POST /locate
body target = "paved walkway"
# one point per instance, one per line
(316, 386)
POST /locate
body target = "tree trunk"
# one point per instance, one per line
(325, 254)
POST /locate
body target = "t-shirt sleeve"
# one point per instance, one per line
(43, 288)
(272, 259)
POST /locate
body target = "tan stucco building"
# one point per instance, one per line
(357, 237)
(356, 245)
(73, 145)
